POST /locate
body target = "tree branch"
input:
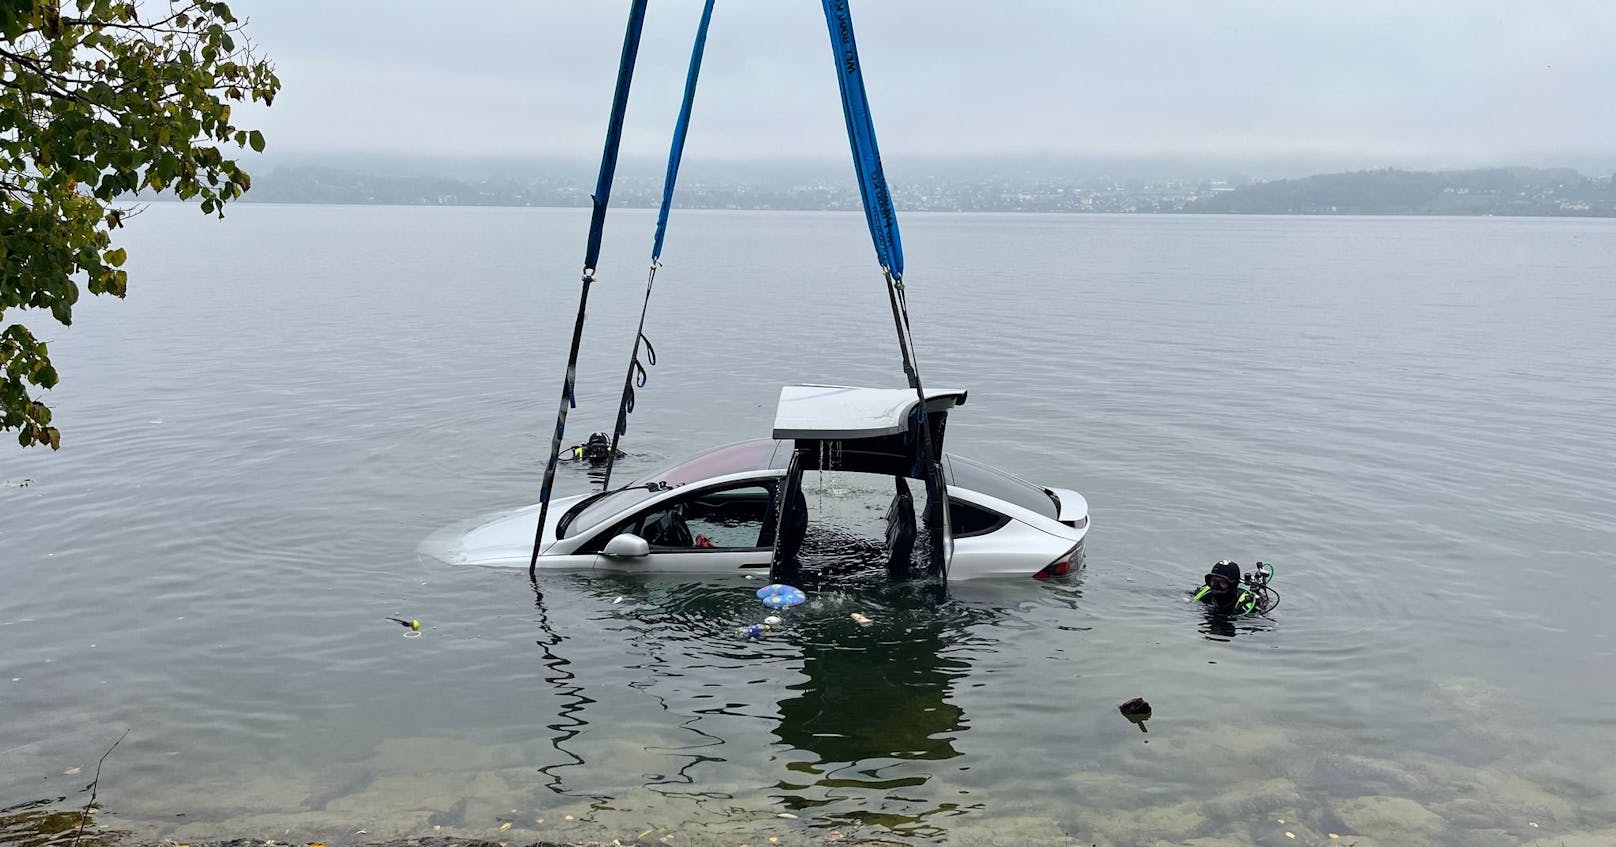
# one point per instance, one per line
(84, 817)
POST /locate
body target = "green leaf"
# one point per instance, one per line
(256, 139)
(116, 257)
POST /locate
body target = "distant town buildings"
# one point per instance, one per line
(1516, 191)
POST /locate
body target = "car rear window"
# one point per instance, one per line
(975, 476)
(754, 455)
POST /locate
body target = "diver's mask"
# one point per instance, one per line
(1224, 577)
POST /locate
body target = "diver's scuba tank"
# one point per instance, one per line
(1257, 582)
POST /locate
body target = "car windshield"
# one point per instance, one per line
(731, 458)
(975, 476)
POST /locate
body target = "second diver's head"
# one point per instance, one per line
(598, 448)
(1224, 578)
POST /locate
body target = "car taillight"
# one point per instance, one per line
(1059, 567)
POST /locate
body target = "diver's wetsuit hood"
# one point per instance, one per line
(597, 449)
(1226, 600)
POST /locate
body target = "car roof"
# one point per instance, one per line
(835, 412)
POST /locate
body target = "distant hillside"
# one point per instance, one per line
(1504, 191)
(1500, 191)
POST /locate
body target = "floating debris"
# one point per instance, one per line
(1290, 835)
(504, 826)
(778, 596)
(860, 619)
(1138, 707)
(787, 815)
(1137, 711)
(71, 771)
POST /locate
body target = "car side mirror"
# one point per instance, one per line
(627, 546)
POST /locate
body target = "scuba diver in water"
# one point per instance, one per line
(1229, 595)
(597, 450)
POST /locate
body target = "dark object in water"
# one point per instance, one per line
(1137, 711)
(597, 450)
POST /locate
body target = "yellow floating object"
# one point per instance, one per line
(504, 826)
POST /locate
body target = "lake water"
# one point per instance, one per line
(1413, 418)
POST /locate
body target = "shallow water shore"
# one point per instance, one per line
(1405, 415)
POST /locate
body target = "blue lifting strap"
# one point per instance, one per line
(637, 371)
(883, 223)
(872, 180)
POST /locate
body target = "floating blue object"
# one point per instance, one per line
(779, 596)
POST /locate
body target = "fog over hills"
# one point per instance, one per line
(986, 184)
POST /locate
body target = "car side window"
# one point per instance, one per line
(729, 518)
(966, 520)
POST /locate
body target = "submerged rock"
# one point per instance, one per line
(1260, 800)
(1582, 839)
(1391, 819)
(1489, 838)
(1150, 823)
(1516, 799)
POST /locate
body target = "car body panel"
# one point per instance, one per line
(692, 509)
(1025, 543)
(840, 412)
(1074, 507)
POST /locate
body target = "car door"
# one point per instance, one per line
(712, 529)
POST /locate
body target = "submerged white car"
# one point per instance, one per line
(720, 511)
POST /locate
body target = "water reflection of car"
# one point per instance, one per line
(718, 511)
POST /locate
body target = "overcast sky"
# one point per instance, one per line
(1439, 82)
